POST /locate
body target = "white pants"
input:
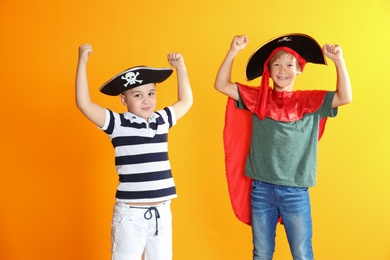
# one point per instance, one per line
(139, 229)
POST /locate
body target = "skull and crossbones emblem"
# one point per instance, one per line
(131, 78)
(285, 39)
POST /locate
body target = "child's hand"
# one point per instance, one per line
(84, 51)
(176, 60)
(333, 51)
(239, 42)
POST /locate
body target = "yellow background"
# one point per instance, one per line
(58, 179)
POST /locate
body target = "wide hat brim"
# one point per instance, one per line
(303, 44)
(134, 77)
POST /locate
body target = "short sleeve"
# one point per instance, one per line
(171, 116)
(108, 126)
(326, 109)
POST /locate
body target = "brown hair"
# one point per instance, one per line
(280, 54)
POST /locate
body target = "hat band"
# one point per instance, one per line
(264, 86)
(300, 59)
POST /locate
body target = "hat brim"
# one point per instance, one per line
(303, 44)
(134, 77)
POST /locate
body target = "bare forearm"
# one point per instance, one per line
(184, 92)
(343, 84)
(225, 71)
(92, 111)
(223, 82)
(82, 92)
(185, 98)
(184, 89)
(343, 94)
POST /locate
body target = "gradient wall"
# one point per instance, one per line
(57, 176)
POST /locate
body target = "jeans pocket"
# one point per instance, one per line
(257, 184)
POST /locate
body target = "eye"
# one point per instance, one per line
(137, 95)
(151, 94)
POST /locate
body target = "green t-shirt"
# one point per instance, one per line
(285, 153)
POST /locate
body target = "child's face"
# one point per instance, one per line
(283, 71)
(141, 100)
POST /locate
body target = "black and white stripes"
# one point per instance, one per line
(141, 155)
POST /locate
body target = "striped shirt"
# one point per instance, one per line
(141, 155)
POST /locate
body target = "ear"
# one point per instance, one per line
(123, 99)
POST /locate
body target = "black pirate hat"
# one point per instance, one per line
(303, 47)
(134, 77)
(303, 44)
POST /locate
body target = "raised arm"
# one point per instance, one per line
(184, 92)
(223, 82)
(92, 111)
(343, 94)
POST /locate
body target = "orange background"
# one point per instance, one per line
(57, 169)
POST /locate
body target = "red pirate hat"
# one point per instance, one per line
(134, 77)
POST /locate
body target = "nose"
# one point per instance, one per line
(145, 100)
(282, 69)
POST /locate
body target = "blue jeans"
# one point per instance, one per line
(268, 202)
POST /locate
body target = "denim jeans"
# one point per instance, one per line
(268, 202)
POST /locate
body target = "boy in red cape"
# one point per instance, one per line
(271, 137)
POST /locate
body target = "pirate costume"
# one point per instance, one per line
(143, 167)
(275, 148)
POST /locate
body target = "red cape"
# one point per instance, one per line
(237, 136)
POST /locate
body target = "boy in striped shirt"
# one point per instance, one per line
(142, 221)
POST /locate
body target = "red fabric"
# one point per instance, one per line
(287, 106)
(262, 98)
(237, 136)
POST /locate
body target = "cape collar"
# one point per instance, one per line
(286, 106)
